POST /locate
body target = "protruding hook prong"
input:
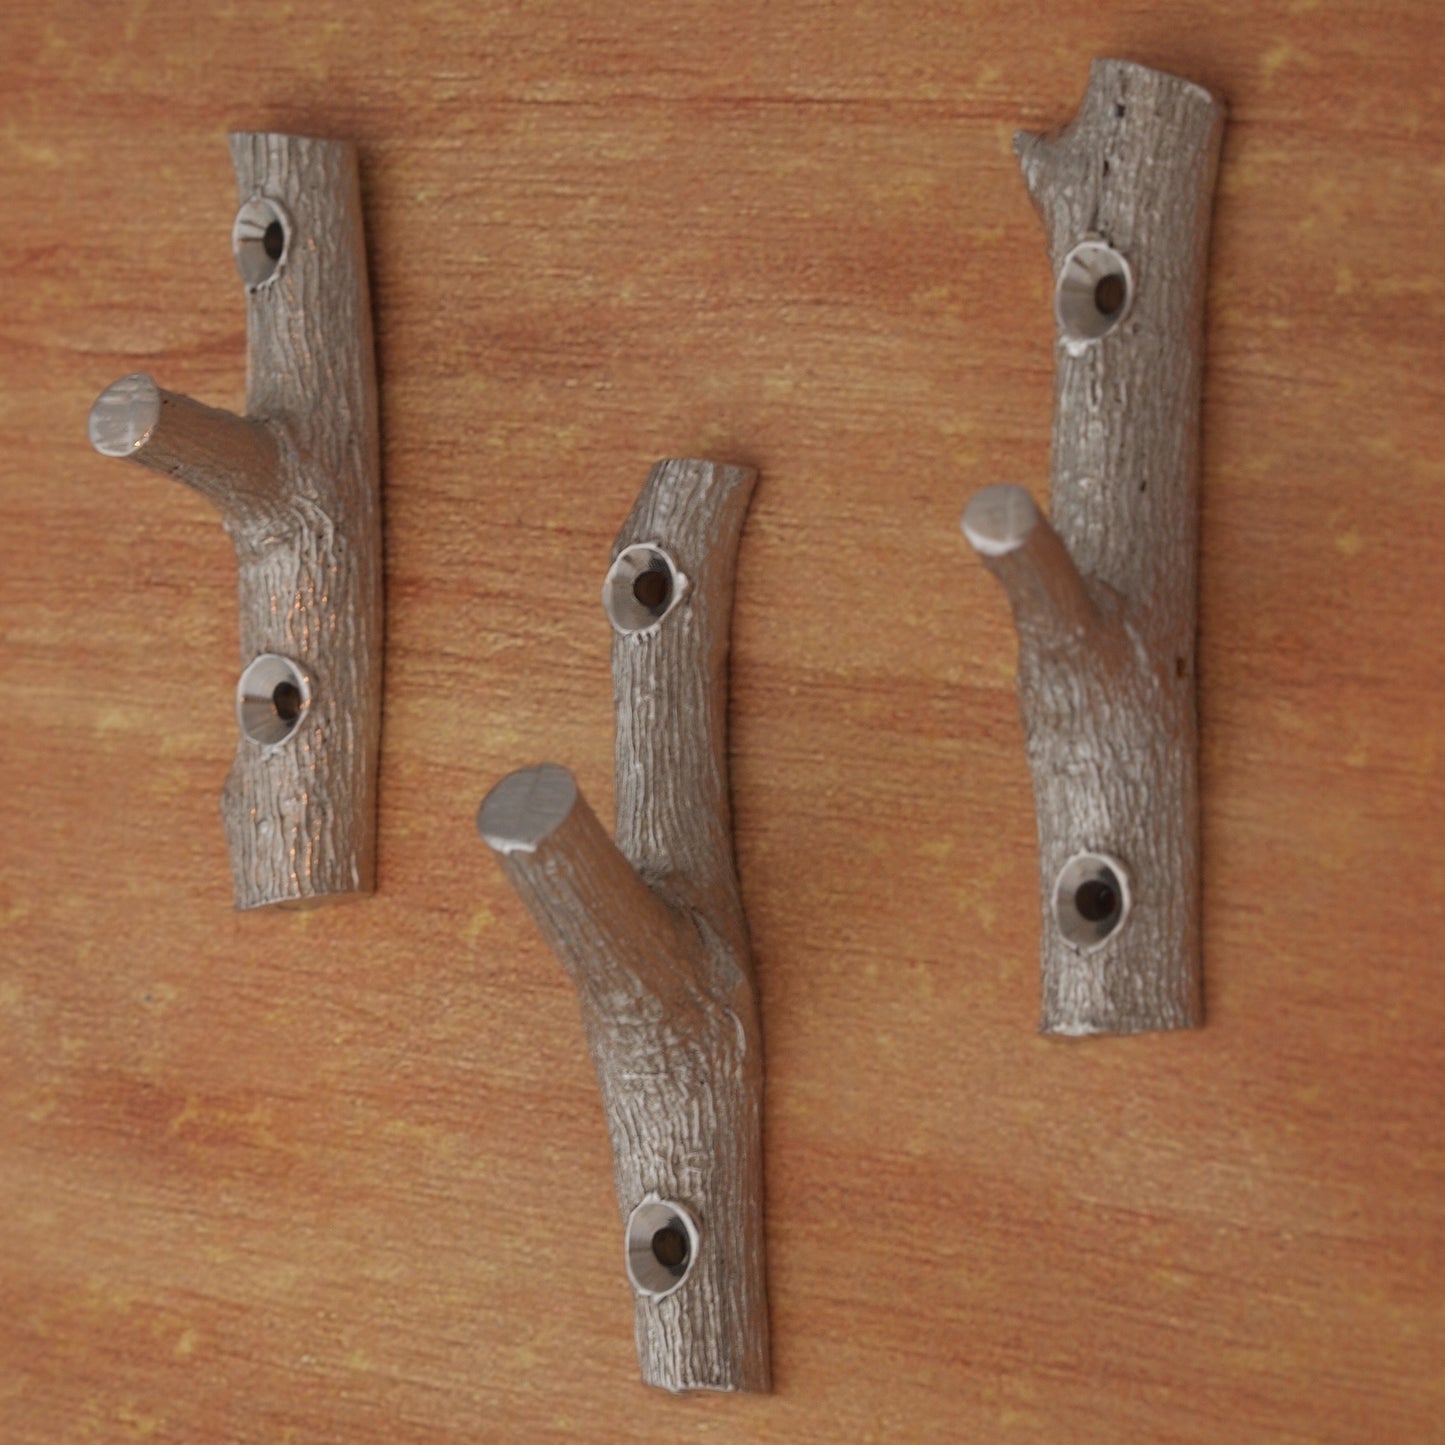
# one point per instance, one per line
(651, 930)
(1104, 589)
(620, 944)
(1049, 595)
(230, 460)
(297, 481)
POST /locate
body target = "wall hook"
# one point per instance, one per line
(297, 482)
(1104, 592)
(651, 930)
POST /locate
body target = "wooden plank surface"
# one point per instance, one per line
(343, 1175)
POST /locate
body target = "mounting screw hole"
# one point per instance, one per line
(1094, 291)
(271, 696)
(1091, 899)
(670, 1248)
(1096, 900)
(662, 1245)
(652, 589)
(286, 699)
(1110, 294)
(643, 585)
(259, 239)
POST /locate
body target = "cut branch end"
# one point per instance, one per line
(999, 520)
(526, 807)
(124, 415)
(1051, 600)
(231, 460)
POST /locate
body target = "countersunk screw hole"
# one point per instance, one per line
(1091, 899)
(271, 696)
(662, 1245)
(1093, 294)
(643, 586)
(670, 1248)
(652, 588)
(259, 239)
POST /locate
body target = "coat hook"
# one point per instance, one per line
(651, 930)
(1104, 591)
(298, 485)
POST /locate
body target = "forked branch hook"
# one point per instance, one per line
(297, 482)
(652, 932)
(1104, 591)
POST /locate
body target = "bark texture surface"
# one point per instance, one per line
(298, 487)
(1106, 672)
(651, 929)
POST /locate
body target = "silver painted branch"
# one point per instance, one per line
(297, 483)
(232, 461)
(1052, 603)
(652, 931)
(1105, 597)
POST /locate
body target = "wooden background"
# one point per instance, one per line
(343, 1175)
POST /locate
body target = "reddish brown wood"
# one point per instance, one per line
(344, 1175)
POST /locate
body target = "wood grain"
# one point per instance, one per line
(343, 1175)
